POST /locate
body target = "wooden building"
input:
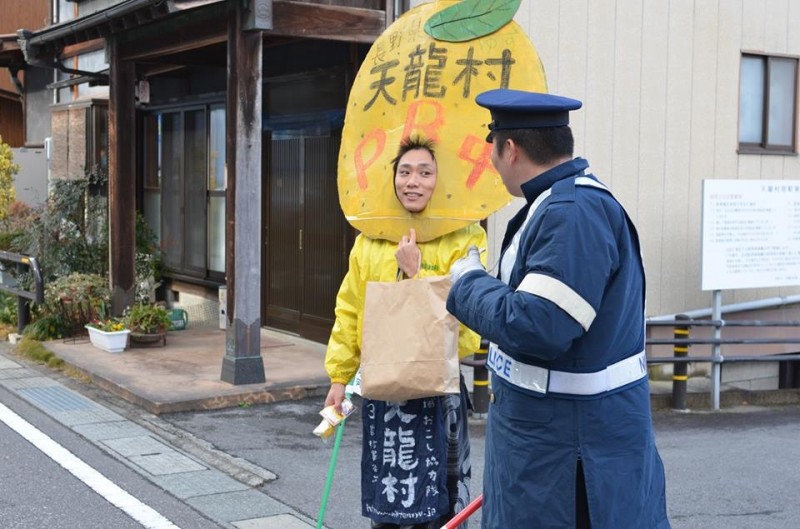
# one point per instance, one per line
(13, 67)
(223, 129)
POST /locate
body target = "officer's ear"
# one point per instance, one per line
(511, 149)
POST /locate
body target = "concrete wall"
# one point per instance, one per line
(37, 108)
(752, 376)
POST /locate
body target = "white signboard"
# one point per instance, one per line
(750, 234)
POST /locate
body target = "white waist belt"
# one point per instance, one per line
(541, 380)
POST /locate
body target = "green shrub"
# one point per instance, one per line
(47, 327)
(75, 300)
(12, 230)
(7, 171)
(149, 264)
(145, 318)
(68, 233)
(8, 309)
(55, 362)
(7, 240)
(34, 350)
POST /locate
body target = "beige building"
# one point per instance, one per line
(667, 98)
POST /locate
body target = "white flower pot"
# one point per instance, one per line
(111, 341)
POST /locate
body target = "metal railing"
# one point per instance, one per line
(681, 343)
(9, 284)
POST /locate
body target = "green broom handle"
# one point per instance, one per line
(331, 467)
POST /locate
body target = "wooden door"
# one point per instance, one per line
(307, 239)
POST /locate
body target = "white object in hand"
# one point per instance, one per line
(468, 263)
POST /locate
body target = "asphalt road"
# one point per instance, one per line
(732, 469)
(98, 492)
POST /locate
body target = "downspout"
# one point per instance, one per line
(57, 65)
(769, 303)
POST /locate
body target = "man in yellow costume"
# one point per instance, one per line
(415, 466)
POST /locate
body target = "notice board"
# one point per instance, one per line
(750, 234)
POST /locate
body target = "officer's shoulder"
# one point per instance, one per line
(569, 190)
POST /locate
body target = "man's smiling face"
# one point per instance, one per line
(415, 179)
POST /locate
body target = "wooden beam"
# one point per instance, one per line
(191, 41)
(121, 182)
(351, 24)
(84, 47)
(242, 363)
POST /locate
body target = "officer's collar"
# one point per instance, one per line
(535, 186)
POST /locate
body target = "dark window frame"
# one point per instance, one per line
(765, 146)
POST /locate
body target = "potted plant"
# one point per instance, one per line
(148, 323)
(109, 335)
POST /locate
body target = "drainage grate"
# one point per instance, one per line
(56, 399)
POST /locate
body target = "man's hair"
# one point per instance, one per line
(410, 144)
(542, 146)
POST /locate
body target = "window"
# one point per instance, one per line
(184, 188)
(768, 104)
(70, 87)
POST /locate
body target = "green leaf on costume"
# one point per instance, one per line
(471, 19)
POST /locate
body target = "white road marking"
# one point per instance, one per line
(106, 488)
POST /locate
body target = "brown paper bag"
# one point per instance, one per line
(409, 342)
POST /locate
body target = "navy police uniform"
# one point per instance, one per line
(566, 324)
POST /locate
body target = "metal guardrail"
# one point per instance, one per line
(8, 283)
(681, 343)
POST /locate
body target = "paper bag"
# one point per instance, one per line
(409, 342)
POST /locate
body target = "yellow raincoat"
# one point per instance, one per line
(374, 260)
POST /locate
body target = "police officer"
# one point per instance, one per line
(569, 440)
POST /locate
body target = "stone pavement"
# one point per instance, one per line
(185, 373)
(183, 466)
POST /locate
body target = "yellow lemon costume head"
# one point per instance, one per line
(420, 78)
(412, 83)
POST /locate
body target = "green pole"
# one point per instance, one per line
(326, 492)
(329, 479)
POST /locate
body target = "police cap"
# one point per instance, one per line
(517, 109)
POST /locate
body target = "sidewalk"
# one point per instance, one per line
(185, 373)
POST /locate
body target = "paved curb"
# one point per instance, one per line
(236, 467)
